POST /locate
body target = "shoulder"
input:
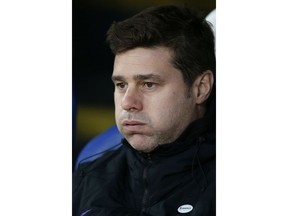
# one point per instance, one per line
(93, 181)
(109, 159)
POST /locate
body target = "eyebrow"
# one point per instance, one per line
(139, 77)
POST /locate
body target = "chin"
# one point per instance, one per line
(143, 149)
(141, 143)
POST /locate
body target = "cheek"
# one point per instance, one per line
(116, 98)
(117, 112)
(160, 110)
(117, 106)
(173, 108)
(117, 101)
(166, 102)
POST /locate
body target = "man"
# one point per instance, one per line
(164, 76)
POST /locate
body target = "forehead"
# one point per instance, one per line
(144, 61)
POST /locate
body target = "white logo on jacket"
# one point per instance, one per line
(185, 208)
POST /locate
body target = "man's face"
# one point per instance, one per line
(152, 106)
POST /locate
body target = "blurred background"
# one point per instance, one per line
(93, 106)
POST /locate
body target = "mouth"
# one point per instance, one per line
(133, 126)
(132, 123)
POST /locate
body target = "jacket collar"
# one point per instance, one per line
(197, 132)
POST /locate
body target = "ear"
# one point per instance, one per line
(202, 86)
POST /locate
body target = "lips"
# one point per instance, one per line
(133, 126)
(129, 122)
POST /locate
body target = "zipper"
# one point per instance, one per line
(146, 190)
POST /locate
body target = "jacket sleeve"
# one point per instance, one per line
(90, 199)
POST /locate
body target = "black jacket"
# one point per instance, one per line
(175, 179)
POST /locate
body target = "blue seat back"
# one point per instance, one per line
(106, 141)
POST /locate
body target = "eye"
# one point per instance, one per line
(149, 85)
(121, 85)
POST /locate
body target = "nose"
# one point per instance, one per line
(131, 100)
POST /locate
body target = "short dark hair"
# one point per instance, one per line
(183, 30)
